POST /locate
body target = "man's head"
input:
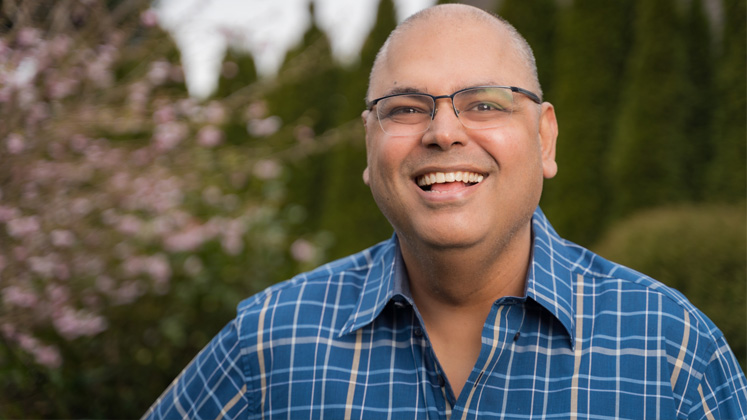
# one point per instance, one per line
(440, 51)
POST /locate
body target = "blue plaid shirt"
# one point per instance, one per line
(590, 339)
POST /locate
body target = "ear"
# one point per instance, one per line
(548, 134)
(364, 117)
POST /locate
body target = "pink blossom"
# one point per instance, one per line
(304, 133)
(187, 240)
(28, 37)
(39, 112)
(267, 169)
(48, 356)
(128, 293)
(129, 225)
(215, 113)
(71, 323)
(159, 72)
(264, 127)
(43, 266)
(62, 238)
(15, 143)
(23, 226)
(17, 296)
(8, 213)
(232, 243)
(303, 250)
(61, 87)
(209, 136)
(256, 110)
(168, 135)
(159, 270)
(81, 206)
(99, 69)
(149, 18)
(164, 114)
(57, 294)
(188, 107)
(59, 46)
(138, 96)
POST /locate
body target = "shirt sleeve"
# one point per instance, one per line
(722, 393)
(211, 386)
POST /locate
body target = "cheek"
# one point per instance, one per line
(515, 152)
(386, 156)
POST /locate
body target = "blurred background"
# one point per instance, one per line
(159, 162)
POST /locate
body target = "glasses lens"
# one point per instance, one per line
(405, 114)
(487, 107)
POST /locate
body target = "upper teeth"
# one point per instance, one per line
(442, 177)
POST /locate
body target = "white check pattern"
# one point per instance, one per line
(591, 339)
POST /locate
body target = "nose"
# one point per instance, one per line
(445, 130)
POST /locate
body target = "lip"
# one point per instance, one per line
(452, 196)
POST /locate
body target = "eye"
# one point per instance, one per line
(486, 107)
(404, 111)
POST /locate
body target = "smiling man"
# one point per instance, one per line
(475, 308)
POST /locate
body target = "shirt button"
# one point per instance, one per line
(418, 332)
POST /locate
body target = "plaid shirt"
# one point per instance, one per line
(590, 339)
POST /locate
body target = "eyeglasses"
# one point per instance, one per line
(404, 114)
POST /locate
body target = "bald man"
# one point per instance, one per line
(474, 308)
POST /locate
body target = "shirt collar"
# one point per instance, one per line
(548, 281)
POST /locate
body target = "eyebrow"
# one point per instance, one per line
(405, 89)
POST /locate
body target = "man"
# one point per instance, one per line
(475, 308)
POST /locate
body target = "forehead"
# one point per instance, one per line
(443, 53)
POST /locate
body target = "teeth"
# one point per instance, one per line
(441, 177)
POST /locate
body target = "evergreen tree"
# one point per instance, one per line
(536, 21)
(238, 74)
(727, 180)
(646, 154)
(305, 95)
(592, 45)
(700, 141)
(350, 211)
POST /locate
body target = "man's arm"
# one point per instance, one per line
(722, 393)
(211, 386)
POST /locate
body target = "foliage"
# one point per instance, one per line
(577, 200)
(130, 225)
(541, 36)
(646, 159)
(697, 249)
(727, 178)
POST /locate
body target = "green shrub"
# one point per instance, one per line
(699, 250)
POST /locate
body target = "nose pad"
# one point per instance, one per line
(446, 130)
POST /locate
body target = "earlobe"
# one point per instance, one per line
(366, 177)
(548, 132)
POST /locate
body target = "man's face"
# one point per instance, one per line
(439, 57)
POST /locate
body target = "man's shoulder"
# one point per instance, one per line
(636, 292)
(337, 283)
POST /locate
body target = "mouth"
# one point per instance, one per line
(442, 182)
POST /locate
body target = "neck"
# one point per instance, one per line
(469, 277)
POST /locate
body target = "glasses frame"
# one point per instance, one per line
(529, 94)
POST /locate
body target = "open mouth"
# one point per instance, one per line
(440, 182)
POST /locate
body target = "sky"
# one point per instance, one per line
(204, 29)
